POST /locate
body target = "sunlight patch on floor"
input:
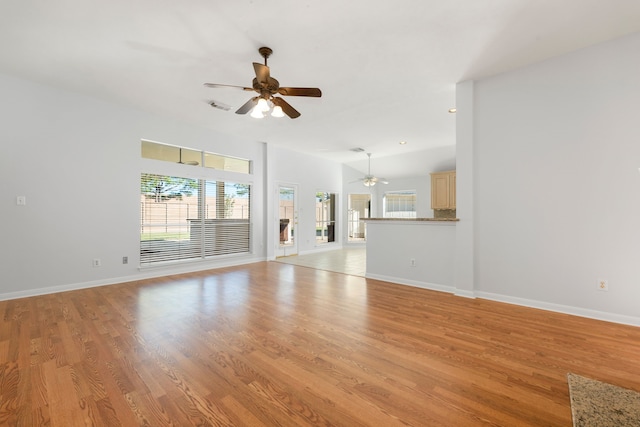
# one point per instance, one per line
(348, 261)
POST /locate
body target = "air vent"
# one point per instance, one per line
(357, 150)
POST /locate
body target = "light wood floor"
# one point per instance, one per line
(271, 344)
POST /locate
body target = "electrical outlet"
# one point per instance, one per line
(412, 261)
(603, 285)
(97, 262)
(125, 260)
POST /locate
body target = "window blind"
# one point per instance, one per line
(185, 219)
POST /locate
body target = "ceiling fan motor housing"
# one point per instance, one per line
(271, 86)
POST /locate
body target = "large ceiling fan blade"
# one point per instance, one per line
(288, 109)
(262, 72)
(216, 85)
(300, 91)
(248, 106)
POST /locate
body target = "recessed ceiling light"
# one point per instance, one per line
(453, 110)
(403, 142)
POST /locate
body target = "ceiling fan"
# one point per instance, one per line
(266, 87)
(369, 180)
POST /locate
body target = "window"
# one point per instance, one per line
(325, 217)
(187, 156)
(226, 163)
(359, 208)
(399, 204)
(186, 219)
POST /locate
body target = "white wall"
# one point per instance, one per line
(557, 188)
(391, 245)
(77, 161)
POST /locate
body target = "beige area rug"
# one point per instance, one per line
(594, 403)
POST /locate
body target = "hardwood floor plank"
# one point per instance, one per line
(38, 387)
(39, 417)
(271, 344)
(340, 406)
(239, 414)
(9, 386)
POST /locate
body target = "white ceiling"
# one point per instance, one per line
(387, 70)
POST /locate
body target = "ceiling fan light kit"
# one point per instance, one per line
(263, 107)
(260, 109)
(256, 113)
(369, 180)
(266, 87)
(277, 111)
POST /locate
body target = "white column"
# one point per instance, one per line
(464, 258)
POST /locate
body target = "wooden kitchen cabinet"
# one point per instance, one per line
(443, 190)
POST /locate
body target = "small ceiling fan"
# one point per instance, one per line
(369, 180)
(266, 87)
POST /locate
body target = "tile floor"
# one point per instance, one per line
(348, 260)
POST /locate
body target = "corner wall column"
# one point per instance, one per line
(464, 257)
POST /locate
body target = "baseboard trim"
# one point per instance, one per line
(542, 305)
(414, 283)
(559, 308)
(465, 294)
(146, 273)
(62, 288)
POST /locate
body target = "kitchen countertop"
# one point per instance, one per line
(413, 219)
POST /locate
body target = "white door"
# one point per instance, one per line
(287, 220)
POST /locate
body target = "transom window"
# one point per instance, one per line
(187, 156)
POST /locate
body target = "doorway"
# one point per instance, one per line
(359, 209)
(325, 217)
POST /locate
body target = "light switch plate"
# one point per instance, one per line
(21, 200)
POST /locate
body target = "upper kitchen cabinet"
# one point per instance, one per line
(443, 190)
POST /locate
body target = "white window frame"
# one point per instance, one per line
(393, 201)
